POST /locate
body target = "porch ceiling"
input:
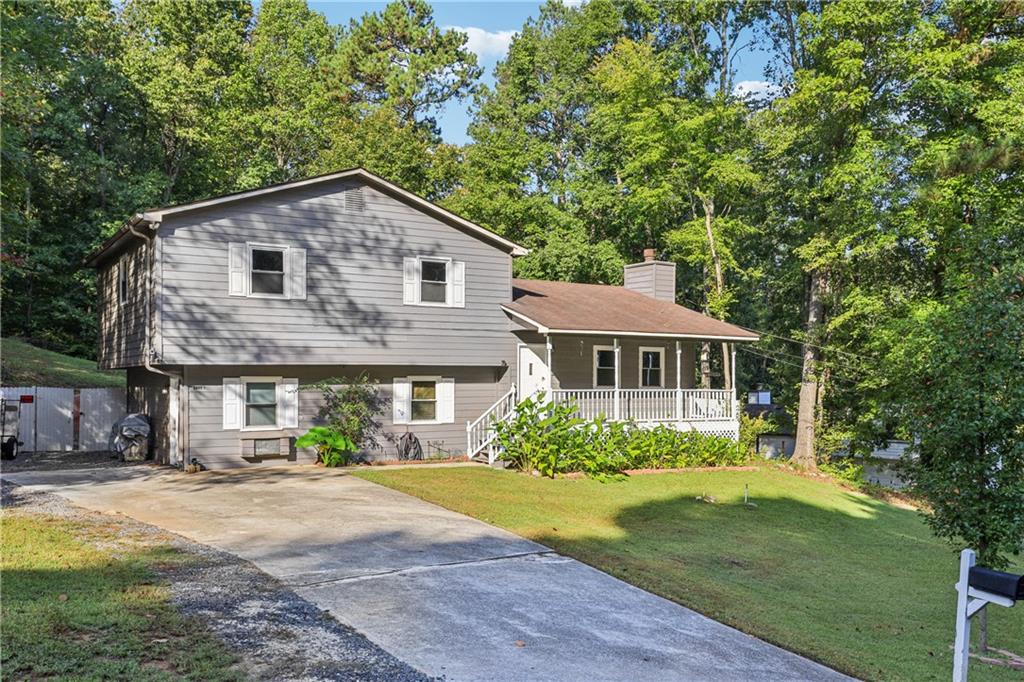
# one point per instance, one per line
(570, 308)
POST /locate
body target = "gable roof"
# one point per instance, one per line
(153, 216)
(570, 308)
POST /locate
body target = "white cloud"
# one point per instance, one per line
(486, 44)
(755, 90)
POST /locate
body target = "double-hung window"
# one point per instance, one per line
(434, 281)
(266, 270)
(604, 366)
(260, 405)
(652, 363)
(424, 401)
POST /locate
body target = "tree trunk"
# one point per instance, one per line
(806, 423)
(716, 262)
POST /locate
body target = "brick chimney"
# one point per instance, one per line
(655, 278)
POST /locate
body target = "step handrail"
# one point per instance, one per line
(480, 432)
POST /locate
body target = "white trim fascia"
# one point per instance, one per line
(515, 249)
(640, 362)
(539, 327)
(663, 335)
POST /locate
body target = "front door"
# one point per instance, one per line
(533, 371)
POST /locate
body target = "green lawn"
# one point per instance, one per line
(25, 365)
(843, 578)
(73, 612)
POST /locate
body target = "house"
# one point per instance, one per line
(222, 311)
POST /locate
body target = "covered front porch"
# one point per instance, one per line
(636, 378)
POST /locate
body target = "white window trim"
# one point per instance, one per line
(594, 363)
(448, 294)
(276, 426)
(437, 399)
(285, 272)
(661, 372)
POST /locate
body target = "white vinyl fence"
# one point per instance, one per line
(54, 419)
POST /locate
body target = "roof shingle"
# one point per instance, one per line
(567, 306)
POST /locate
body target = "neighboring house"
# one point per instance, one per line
(223, 310)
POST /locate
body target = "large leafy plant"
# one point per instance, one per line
(332, 448)
(549, 439)
(349, 419)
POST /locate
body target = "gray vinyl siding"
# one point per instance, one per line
(122, 325)
(572, 360)
(656, 279)
(353, 313)
(476, 388)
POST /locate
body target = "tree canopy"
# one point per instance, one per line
(863, 211)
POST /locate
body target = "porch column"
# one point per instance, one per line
(735, 399)
(618, 375)
(679, 381)
(551, 374)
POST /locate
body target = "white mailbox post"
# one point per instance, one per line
(977, 588)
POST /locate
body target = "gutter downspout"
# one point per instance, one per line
(174, 380)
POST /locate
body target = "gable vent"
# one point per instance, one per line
(355, 201)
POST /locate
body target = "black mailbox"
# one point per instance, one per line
(1007, 585)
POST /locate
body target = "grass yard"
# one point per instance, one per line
(850, 581)
(25, 365)
(74, 612)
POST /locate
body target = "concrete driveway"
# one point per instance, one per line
(448, 594)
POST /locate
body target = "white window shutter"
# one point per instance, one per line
(446, 401)
(297, 273)
(238, 269)
(232, 403)
(458, 280)
(288, 404)
(401, 400)
(410, 280)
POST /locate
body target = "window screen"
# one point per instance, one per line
(433, 282)
(424, 401)
(267, 271)
(261, 403)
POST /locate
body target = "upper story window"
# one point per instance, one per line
(267, 270)
(122, 280)
(652, 363)
(434, 282)
(604, 366)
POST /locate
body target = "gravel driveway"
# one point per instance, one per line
(449, 595)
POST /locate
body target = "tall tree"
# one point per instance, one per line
(284, 107)
(830, 144)
(180, 57)
(401, 58)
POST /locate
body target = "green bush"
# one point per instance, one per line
(332, 447)
(550, 440)
(845, 470)
(751, 428)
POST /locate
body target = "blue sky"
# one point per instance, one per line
(490, 26)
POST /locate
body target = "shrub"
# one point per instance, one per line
(750, 429)
(332, 448)
(351, 407)
(845, 470)
(550, 440)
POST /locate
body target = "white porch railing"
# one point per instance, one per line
(480, 432)
(651, 404)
